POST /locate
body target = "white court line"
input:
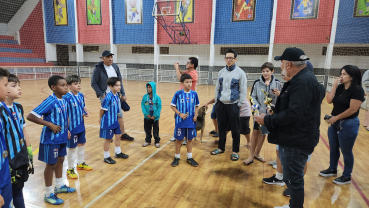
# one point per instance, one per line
(32, 206)
(209, 110)
(129, 173)
(131, 131)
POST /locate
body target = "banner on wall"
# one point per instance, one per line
(186, 10)
(243, 10)
(60, 12)
(93, 12)
(304, 9)
(361, 8)
(133, 12)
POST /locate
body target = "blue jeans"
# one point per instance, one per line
(293, 163)
(342, 134)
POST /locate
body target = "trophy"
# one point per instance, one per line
(264, 130)
(267, 101)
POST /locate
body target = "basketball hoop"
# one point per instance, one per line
(165, 10)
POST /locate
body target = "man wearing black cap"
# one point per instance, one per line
(294, 126)
(102, 71)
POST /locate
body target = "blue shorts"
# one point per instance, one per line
(49, 153)
(6, 193)
(109, 133)
(185, 132)
(75, 139)
(120, 114)
(309, 157)
(213, 114)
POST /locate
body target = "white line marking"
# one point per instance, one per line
(124, 177)
(131, 131)
(209, 110)
(31, 205)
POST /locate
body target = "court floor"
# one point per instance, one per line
(147, 179)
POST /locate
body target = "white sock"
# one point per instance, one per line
(59, 182)
(279, 176)
(71, 156)
(177, 156)
(80, 154)
(106, 154)
(189, 155)
(117, 150)
(48, 190)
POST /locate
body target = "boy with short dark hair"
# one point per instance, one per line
(151, 107)
(185, 104)
(17, 141)
(76, 113)
(54, 136)
(5, 183)
(109, 125)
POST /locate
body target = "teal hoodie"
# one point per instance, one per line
(156, 102)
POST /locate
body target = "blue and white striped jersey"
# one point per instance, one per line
(13, 121)
(76, 105)
(110, 105)
(185, 102)
(53, 110)
(4, 162)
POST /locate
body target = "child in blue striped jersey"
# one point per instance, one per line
(76, 113)
(109, 125)
(54, 136)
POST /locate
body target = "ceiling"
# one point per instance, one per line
(8, 9)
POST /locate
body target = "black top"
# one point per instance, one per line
(296, 119)
(342, 99)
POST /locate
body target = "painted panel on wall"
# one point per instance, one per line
(361, 8)
(186, 10)
(60, 12)
(304, 9)
(93, 12)
(133, 11)
(243, 10)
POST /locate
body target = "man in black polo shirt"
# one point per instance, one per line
(294, 126)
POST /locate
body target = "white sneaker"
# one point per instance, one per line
(273, 162)
(184, 142)
(275, 166)
(173, 139)
(284, 206)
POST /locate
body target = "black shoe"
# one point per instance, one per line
(212, 132)
(328, 173)
(127, 137)
(109, 160)
(216, 134)
(192, 162)
(273, 180)
(287, 193)
(121, 155)
(175, 162)
(342, 180)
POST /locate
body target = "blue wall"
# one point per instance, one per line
(247, 32)
(59, 34)
(350, 29)
(133, 34)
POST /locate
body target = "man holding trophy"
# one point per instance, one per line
(294, 126)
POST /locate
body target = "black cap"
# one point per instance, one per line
(106, 53)
(292, 54)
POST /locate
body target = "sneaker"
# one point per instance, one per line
(286, 192)
(273, 162)
(192, 162)
(216, 134)
(275, 166)
(71, 174)
(342, 180)
(127, 137)
(328, 173)
(175, 162)
(184, 142)
(173, 139)
(121, 155)
(53, 199)
(212, 132)
(83, 166)
(109, 160)
(273, 181)
(64, 189)
(284, 206)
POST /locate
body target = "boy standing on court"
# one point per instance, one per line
(185, 104)
(109, 125)
(151, 107)
(76, 113)
(54, 136)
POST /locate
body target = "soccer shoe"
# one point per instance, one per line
(173, 139)
(83, 166)
(121, 155)
(71, 174)
(184, 142)
(274, 166)
(342, 180)
(328, 173)
(287, 192)
(53, 199)
(273, 162)
(64, 189)
(192, 162)
(109, 160)
(175, 162)
(273, 180)
(127, 137)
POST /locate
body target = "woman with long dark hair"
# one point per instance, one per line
(347, 98)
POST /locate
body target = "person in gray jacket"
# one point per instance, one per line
(365, 83)
(270, 85)
(230, 93)
(102, 71)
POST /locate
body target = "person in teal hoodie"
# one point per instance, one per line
(151, 107)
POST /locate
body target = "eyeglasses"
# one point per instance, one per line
(229, 58)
